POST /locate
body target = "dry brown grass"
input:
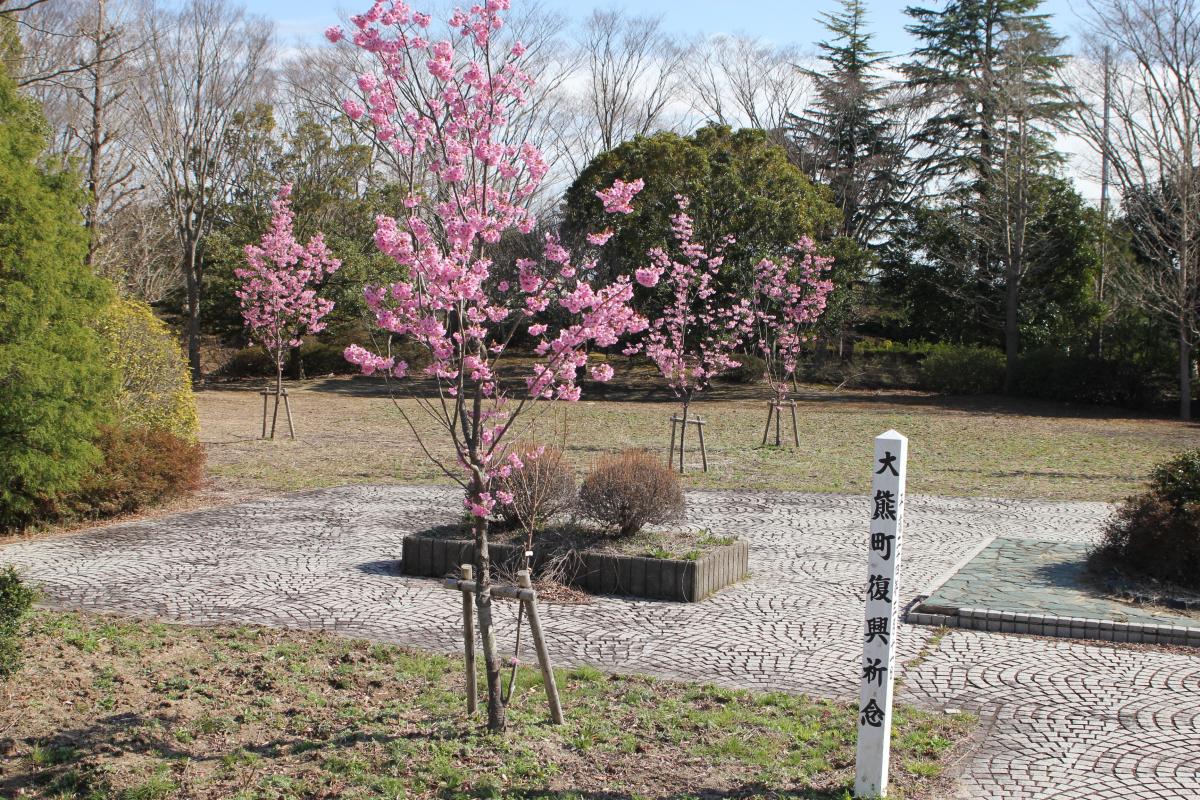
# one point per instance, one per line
(349, 431)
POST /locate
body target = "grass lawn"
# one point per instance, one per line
(350, 432)
(108, 708)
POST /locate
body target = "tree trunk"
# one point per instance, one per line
(278, 393)
(96, 141)
(1012, 330)
(487, 631)
(192, 277)
(1185, 372)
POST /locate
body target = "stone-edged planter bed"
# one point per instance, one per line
(684, 580)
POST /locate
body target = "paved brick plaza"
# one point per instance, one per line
(1063, 719)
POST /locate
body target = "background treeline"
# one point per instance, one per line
(968, 260)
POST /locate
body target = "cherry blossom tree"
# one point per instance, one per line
(443, 105)
(702, 325)
(788, 296)
(278, 294)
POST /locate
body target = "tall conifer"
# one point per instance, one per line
(55, 389)
(985, 73)
(848, 139)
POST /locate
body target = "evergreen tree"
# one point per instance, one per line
(739, 183)
(849, 139)
(55, 389)
(986, 74)
(927, 270)
(983, 65)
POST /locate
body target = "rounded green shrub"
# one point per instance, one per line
(1177, 480)
(156, 386)
(326, 358)
(249, 362)
(963, 369)
(1052, 374)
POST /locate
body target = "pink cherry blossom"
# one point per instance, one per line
(600, 239)
(278, 296)
(700, 329)
(786, 308)
(368, 362)
(617, 197)
(278, 293)
(443, 106)
(648, 276)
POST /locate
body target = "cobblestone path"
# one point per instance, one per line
(1064, 719)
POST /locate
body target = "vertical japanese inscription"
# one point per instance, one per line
(880, 595)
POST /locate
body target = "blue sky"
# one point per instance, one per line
(781, 21)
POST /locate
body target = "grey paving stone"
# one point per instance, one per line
(1025, 575)
(1071, 719)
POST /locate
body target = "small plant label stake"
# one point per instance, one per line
(879, 637)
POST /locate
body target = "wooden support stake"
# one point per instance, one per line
(264, 394)
(288, 408)
(497, 591)
(671, 452)
(775, 414)
(469, 640)
(681, 423)
(535, 628)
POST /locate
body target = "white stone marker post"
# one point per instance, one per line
(880, 628)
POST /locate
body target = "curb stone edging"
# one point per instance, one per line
(984, 619)
(673, 579)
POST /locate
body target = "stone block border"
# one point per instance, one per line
(599, 573)
(983, 619)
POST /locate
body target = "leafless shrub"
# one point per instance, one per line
(630, 490)
(542, 488)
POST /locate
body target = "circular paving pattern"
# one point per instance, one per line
(1066, 719)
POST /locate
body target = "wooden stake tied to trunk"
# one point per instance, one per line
(279, 393)
(681, 423)
(469, 642)
(775, 412)
(526, 594)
